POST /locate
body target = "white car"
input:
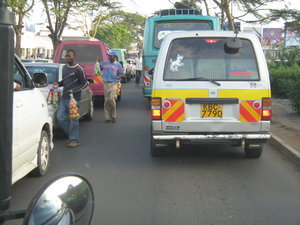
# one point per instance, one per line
(32, 126)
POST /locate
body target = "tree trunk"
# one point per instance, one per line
(226, 8)
(55, 42)
(18, 29)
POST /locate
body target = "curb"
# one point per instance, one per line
(288, 150)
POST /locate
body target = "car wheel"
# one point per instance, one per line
(43, 155)
(254, 150)
(90, 115)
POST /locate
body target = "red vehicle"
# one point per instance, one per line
(87, 54)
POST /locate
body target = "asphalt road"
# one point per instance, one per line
(201, 185)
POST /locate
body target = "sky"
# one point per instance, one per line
(147, 7)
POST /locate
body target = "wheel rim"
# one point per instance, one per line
(44, 153)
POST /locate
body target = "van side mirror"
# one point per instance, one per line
(232, 45)
(40, 79)
(67, 199)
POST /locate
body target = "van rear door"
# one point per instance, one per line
(208, 87)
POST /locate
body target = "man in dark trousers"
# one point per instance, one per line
(138, 68)
(74, 81)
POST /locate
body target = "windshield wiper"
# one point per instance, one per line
(203, 79)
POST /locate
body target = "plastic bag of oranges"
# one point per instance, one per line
(73, 108)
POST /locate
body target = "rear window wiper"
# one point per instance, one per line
(203, 79)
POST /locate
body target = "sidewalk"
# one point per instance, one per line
(285, 129)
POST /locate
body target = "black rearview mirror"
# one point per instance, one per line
(40, 79)
(66, 200)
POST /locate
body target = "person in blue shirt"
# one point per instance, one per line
(111, 74)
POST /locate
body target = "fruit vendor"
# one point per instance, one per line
(73, 81)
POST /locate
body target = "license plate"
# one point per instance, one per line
(212, 110)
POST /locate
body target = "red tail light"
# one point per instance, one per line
(156, 108)
(211, 41)
(266, 109)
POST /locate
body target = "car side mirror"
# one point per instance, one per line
(40, 79)
(91, 81)
(68, 199)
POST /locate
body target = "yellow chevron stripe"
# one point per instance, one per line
(251, 110)
(180, 118)
(242, 119)
(172, 110)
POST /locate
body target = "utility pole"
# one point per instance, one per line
(7, 19)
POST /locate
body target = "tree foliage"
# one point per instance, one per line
(291, 16)
(92, 14)
(21, 8)
(257, 9)
(116, 36)
(132, 22)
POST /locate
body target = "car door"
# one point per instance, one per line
(27, 107)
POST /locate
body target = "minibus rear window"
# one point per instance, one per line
(85, 54)
(210, 59)
(164, 28)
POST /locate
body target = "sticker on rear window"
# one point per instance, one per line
(174, 66)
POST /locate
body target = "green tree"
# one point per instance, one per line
(21, 8)
(290, 16)
(133, 21)
(60, 11)
(93, 14)
(116, 36)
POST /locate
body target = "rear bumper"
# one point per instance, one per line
(207, 137)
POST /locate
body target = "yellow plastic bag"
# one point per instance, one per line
(73, 108)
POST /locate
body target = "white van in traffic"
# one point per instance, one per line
(211, 86)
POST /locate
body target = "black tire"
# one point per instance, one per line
(98, 101)
(90, 115)
(43, 155)
(253, 152)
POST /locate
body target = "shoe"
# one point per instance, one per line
(113, 120)
(73, 144)
(107, 121)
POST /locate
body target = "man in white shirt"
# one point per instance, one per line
(138, 68)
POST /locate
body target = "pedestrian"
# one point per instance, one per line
(138, 68)
(112, 72)
(73, 81)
